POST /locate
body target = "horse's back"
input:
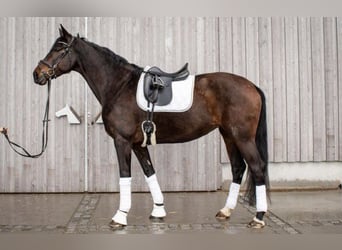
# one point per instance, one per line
(227, 79)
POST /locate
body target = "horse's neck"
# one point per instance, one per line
(100, 76)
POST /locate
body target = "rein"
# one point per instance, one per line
(50, 74)
(16, 147)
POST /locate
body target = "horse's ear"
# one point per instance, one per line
(64, 33)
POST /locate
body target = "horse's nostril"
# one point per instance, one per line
(35, 76)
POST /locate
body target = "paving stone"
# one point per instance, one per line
(185, 227)
(336, 222)
(197, 226)
(89, 218)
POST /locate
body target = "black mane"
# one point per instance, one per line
(111, 57)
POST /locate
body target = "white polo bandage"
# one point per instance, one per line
(158, 211)
(154, 187)
(233, 195)
(120, 217)
(261, 199)
(125, 194)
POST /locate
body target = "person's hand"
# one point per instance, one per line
(3, 130)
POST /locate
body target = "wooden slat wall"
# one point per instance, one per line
(296, 61)
(292, 89)
(331, 88)
(168, 43)
(339, 83)
(305, 89)
(279, 91)
(24, 42)
(265, 74)
(318, 86)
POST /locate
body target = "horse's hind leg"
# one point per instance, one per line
(143, 156)
(256, 181)
(238, 168)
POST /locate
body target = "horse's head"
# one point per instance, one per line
(58, 61)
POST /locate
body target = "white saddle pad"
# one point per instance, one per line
(182, 95)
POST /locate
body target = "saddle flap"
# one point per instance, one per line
(182, 95)
(159, 93)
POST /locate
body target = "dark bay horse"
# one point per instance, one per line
(225, 101)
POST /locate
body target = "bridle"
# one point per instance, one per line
(51, 72)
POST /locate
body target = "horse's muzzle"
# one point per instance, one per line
(39, 78)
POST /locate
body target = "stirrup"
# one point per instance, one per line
(149, 131)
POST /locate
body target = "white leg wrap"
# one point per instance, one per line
(261, 199)
(154, 187)
(233, 195)
(157, 196)
(120, 217)
(125, 201)
(125, 194)
(158, 211)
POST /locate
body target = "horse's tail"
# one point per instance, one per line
(261, 143)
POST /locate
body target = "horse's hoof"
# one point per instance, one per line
(221, 216)
(256, 223)
(156, 219)
(116, 226)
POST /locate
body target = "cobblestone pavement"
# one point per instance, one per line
(187, 212)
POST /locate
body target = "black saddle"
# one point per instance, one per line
(176, 76)
(158, 84)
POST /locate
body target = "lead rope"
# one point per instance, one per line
(45, 133)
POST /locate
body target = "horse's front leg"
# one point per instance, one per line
(123, 150)
(158, 212)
